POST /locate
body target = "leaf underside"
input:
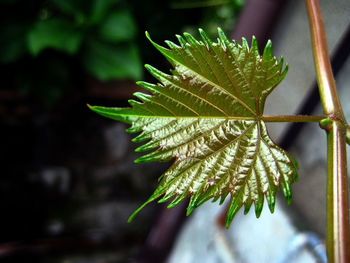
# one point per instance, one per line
(206, 115)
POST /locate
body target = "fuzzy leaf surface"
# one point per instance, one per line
(207, 115)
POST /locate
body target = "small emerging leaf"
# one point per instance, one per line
(206, 116)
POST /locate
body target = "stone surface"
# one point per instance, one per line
(117, 141)
(247, 240)
(55, 178)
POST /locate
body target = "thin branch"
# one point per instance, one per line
(292, 118)
(338, 236)
(325, 79)
(337, 197)
(348, 135)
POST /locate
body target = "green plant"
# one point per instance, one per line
(208, 115)
(44, 42)
(217, 12)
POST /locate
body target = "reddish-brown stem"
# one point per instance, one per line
(337, 196)
(325, 79)
(348, 135)
(338, 236)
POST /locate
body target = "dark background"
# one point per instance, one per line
(68, 182)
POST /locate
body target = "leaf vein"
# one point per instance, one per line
(203, 99)
(216, 85)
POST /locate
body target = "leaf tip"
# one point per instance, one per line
(138, 149)
(131, 217)
(181, 40)
(222, 35)
(271, 201)
(144, 158)
(285, 69)
(269, 43)
(205, 38)
(148, 36)
(133, 103)
(93, 108)
(138, 160)
(287, 193)
(232, 210)
(289, 199)
(150, 68)
(136, 212)
(140, 208)
(228, 221)
(254, 41)
(268, 49)
(130, 130)
(177, 200)
(259, 207)
(191, 40)
(247, 206)
(140, 82)
(254, 44)
(98, 109)
(245, 45)
(191, 206)
(189, 210)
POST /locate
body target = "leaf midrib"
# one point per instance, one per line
(240, 118)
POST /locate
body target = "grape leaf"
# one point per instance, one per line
(207, 115)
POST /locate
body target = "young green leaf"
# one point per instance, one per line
(207, 115)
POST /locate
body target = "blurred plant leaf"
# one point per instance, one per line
(54, 33)
(118, 26)
(184, 4)
(198, 3)
(107, 62)
(13, 42)
(207, 116)
(88, 11)
(100, 8)
(75, 8)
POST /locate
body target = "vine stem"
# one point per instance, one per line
(338, 236)
(348, 135)
(328, 93)
(337, 208)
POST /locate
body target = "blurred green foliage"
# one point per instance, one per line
(91, 29)
(215, 13)
(49, 45)
(49, 37)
